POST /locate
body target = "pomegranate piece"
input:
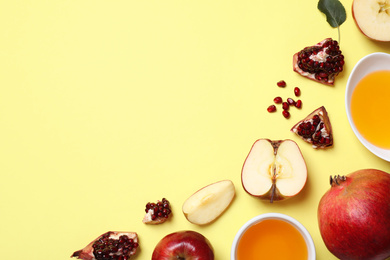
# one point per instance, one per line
(157, 213)
(271, 108)
(110, 245)
(315, 129)
(321, 62)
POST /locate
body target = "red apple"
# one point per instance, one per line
(183, 245)
(354, 214)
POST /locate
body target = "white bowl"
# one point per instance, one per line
(306, 235)
(370, 63)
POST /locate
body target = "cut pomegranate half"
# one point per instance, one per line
(321, 62)
(315, 129)
(110, 245)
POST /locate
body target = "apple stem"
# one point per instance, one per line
(337, 179)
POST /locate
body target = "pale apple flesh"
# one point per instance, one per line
(372, 17)
(208, 203)
(274, 170)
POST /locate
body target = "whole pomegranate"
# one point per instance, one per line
(354, 215)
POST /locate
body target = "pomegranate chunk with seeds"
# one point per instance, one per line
(157, 213)
(315, 129)
(321, 62)
(111, 245)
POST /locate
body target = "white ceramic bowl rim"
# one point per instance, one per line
(306, 235)
(370, 63)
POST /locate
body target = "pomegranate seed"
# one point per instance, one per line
(298, 104)
(271, 108)
(286, 114)
(291, 101)
(297, 91)
(285, 106)
(278, 100)
(281, 83)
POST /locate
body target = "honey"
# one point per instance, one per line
(272, 239)
(370, 103)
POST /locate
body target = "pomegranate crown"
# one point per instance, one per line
(337, 179)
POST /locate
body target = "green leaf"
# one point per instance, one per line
(334, 11)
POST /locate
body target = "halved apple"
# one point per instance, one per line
(208, 203)
(274, 170)
(372, 18)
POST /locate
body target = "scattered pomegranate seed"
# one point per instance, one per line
(271, 108)
(298, 104)
(281, 84)
(286, 114)
(291, 101)
(285, 106)
(297, 91)
(278, 100)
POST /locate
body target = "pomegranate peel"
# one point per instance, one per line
(110, 245)
(321, 62)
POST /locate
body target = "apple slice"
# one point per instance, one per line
(274, 170)
(372, 17)
(208, 203)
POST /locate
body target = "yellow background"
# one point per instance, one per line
(106, 105)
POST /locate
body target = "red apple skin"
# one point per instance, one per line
(183, 245)
(354, 216)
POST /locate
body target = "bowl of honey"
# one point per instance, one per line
(367, 101)
(273, 236)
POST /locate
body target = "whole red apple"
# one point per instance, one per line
(354, 214)
(183, 245)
